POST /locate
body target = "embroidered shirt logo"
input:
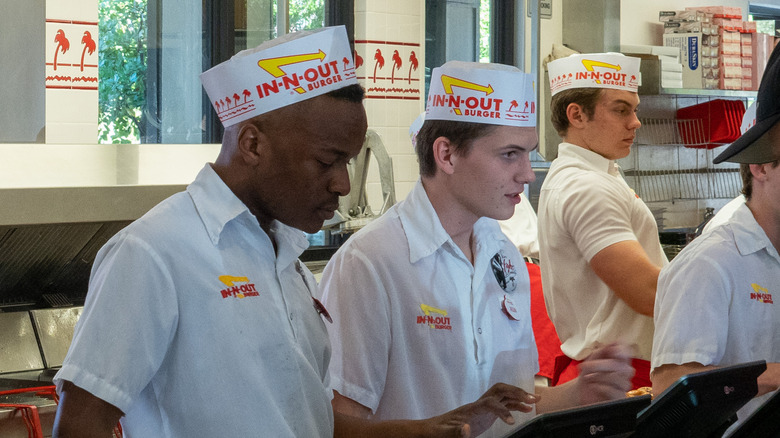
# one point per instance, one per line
(237, 287)
(505, 271)
(760, 294)
(434, 318)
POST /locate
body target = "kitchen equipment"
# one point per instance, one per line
(49, 237)
(354, 212)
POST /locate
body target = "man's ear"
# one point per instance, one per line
(576, 115)
(250, 143)
(444, 155)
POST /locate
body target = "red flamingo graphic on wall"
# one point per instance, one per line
(89, 45)
(396, 65)
(380, 62)
(413, 63)
(62, 45)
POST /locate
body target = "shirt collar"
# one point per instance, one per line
(217, 205)
(215, 202)
(422, 227)
(591, 159)
(425, 233)
(748, 234)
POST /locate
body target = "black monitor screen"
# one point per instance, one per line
(612, 419)
(764, 422)
(700, 405)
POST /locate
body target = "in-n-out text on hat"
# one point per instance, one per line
(594, 70)
(280, 72)
(476, 92)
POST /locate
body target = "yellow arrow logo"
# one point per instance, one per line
(427, 310)
(448, 82)
(589, 64)
(229, 279)
(274, 65)
(758, 288)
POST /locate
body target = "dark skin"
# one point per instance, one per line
(290, 165)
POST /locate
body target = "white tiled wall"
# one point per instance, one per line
(71, 81)
(395, 94)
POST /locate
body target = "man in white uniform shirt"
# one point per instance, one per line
(200, 320)
(431, 301)
(598, 242)
(717, 302)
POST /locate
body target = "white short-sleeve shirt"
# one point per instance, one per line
(718, 300)
(522, 229)
(417, 330)
(193, 326)
(585, 206)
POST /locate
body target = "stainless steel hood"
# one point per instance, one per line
(60, 203)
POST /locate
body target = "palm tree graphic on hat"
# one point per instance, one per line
(62, 45)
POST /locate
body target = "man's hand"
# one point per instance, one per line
(466, 421)
(475, 418)
(605, 375)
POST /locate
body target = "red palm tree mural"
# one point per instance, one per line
(380, 62)
(235, 98)
(89, 45)
(358, 60)
(62, 44)
(246, 94)
(396, 65)
(413, 63)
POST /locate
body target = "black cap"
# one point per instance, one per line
(757, 144)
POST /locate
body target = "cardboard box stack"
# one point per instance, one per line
(669, 57)
(717, 49)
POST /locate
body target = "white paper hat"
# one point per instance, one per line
(749, 119)
(496, 94)
(594, 70)
(280, 72)
(414, 128)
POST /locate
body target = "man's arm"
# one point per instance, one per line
(347, 406)
(626, 269)
(81, 414)
(605, 375)
(665, 375)
(466, 421)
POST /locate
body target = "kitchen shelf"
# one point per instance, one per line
(693, 92)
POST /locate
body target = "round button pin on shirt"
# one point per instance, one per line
(510, 309)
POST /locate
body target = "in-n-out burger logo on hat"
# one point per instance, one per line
(595, 70)
(496, 94)
(280, 72)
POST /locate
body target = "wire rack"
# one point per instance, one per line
(674, 162)
(665, 185)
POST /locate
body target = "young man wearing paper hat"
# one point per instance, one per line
(599, 245)
(200, 320)
(717, 302)
(431, 300)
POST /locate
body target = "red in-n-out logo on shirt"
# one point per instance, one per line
(237, 287)
(434, 318)
(760, 294)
